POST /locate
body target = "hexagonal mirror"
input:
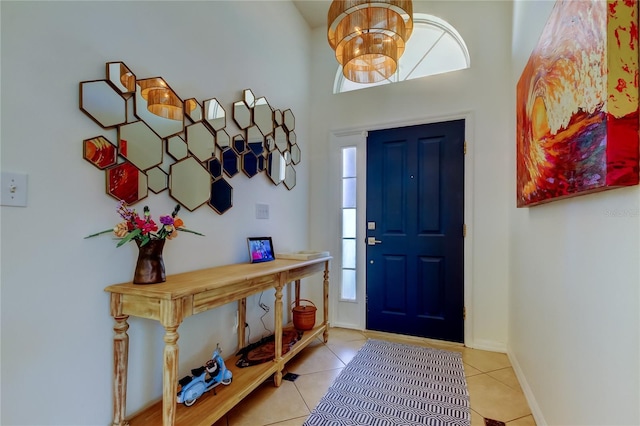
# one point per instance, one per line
(223, 140)
(138, 144)
(221, 196)
(230, 162)
(280, 136)
(290, 177)
(157, 180)
(250, 164)
(239, 144)
(270, 143)
(295, 154)
(277, 117)
(99, 152)
(121, 77)
(263, 116)
(193, 110)
(100, 101)
(276, 167)
(177, 147)
(289, 120)
(159, 106)
(189, 183)
(125, 182)
(214, 114)
(200, 141)
(215, 168)
(241, 114)
(255, 140)
(249, 98)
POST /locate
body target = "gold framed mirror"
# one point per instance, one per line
(157, 180)
(189, 183)
(103, 104)
(214, 114)
(140, 145)
(276, 167)
(193, 110)
(121, 77)
(263, 116)
(221, 196)
(200, 141)
(177, 147)
(241, 114)
(158, 105)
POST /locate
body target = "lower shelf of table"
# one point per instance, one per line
(211, 407)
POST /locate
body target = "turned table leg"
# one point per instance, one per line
(325, 291)
(170, 376)
(120, 361)
(277, 377)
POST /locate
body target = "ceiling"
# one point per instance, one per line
(313, 11)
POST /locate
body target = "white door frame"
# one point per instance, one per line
(350, 314)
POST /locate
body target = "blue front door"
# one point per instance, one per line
(415, 212)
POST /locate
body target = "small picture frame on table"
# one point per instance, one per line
(260, 249)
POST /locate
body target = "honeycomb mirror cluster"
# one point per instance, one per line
(166, 143)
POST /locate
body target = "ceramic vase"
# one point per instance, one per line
(150, 265)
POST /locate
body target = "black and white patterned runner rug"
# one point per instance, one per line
(396, 384)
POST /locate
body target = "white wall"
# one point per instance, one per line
(56, 328)
(574, 329)
(483, 92)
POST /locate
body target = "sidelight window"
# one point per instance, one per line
(348, 240)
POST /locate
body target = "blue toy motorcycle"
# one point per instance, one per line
(194, 386)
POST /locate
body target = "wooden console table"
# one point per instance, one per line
(187, 294)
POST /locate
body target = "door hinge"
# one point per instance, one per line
(464, 230)
(464, 312)
(465, 147)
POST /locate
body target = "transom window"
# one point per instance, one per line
(435, 47)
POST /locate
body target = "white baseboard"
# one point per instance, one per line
(408, 339)
(487, 345)
(526, 389)
(345, 325)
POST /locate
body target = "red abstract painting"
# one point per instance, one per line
(577, 103)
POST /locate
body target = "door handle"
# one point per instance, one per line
(371, 241)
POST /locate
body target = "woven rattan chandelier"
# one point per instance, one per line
(369, 36)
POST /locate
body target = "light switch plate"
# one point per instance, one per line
(262, 211)
(13, 189)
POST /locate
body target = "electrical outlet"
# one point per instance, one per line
(262, 211)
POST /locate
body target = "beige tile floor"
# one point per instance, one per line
(493, 387)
